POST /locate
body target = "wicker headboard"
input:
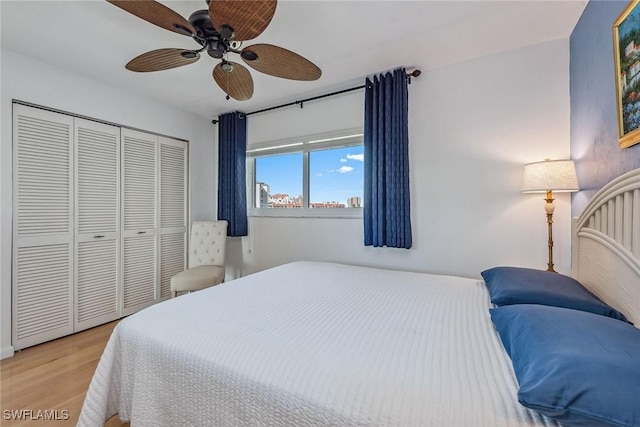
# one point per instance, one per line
(606, 245)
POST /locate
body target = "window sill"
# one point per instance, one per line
(345, 213)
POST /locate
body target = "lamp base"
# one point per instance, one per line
(549, 208)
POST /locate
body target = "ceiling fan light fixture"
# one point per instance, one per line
(227, 67)
(249, 55)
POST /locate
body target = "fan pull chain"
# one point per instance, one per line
(226, 76)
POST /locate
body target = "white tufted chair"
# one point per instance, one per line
(206, 257)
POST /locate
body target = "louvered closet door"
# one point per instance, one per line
(173, 211)
(42, 297)
(139, 151)
(97, 223)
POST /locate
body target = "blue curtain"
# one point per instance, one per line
(387, 218)
(232, 189)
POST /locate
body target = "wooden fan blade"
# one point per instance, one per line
(237, 82)
(156, 13)
(162, 59)
(280, 62)
(241, 19)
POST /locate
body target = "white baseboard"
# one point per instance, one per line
(6, 352)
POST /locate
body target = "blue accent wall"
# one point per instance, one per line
(594, 131)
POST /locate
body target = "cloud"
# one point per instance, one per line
(345, 169)
(343, 160)
(358, 157)
(319, 174)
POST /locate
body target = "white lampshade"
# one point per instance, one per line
(550, 175)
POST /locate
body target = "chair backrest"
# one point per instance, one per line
(208, 243)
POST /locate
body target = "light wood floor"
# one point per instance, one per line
(52, 376)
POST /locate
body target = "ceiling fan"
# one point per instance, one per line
(221, 29)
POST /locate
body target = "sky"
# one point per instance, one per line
(335, 174)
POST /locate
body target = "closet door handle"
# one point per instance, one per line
(141, 232)
(98, 237)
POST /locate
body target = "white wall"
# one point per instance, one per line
(472, 127)
(39, 83)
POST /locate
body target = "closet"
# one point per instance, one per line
(99, 222)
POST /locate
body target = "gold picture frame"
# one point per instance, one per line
(626, 52)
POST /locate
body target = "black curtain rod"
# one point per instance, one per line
(301, 102)
(413, 73)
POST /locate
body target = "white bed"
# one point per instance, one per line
(328, 344)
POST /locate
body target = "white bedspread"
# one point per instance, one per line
(312, 344)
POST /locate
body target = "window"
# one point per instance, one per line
(279, 181)
(336, 177)
(319, 175)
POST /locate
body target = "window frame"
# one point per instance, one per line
(307, 144)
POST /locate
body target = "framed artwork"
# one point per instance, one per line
(626, 49)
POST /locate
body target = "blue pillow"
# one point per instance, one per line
(516, 285)
(580, 368)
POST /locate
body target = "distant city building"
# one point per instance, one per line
(284, 201)
(264, 199)
(262, 195)
(278, 199)
(327, 205)
(354, 202)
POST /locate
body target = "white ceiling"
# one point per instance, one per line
(348, 40)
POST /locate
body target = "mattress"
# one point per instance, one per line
(312, 343)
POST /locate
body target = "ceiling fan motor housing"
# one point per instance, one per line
(206, 35)
(216, 48)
